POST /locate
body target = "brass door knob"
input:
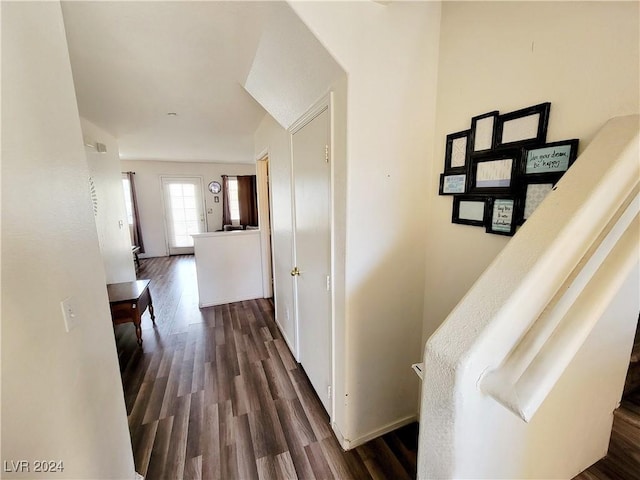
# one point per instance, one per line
(295, 272)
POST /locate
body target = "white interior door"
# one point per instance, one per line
(312, 240)
(184, 212)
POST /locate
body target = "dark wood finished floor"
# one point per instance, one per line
(216, 394)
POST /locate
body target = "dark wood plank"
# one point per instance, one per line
(196, 422)
(390, 466)
(142, 442)
(266, 468)
(211, 446)
(244, 447)
(296, 437)
(156, 400)
(174, 467)
(317, 461)
(193, 469)
(158, 458)
(285, 467)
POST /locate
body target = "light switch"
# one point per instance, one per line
(69, 314)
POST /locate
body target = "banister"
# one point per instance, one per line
(582, 278)
(535, 363)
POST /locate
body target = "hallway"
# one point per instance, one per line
(215, 393)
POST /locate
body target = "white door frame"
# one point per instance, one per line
(164, 205)
(325, 103)
(266, 228)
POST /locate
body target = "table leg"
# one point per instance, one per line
(137, 322)
(153, 316)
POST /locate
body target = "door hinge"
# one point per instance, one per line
(326, 153)
(329, 391)
(328, 283)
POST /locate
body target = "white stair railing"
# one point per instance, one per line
(604, 225)
(538, 360)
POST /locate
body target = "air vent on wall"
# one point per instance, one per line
(97, 146)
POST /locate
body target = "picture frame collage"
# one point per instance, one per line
(501, 169)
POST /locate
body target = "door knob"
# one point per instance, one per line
(295, 272)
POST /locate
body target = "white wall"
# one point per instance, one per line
(291, 69)
(110, 210)
(150, 200)
(390, 55)
(580, 56)
(62, 395)
(272, 137)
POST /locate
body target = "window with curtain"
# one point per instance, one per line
(239, 200)
(131, 204)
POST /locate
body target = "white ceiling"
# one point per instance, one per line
(134, 62)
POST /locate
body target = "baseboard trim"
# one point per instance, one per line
(347, 444)
(339, 435)
(286, 339)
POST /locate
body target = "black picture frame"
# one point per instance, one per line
(478, 184)
(452, 152)
(503, 226)
(476, 222)
(526, 196)
(535, 134)
(549, 158)
(477, 134)
(453, 187)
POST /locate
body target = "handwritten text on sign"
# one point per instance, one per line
(550, 159)
(454, 183)
(502, 215)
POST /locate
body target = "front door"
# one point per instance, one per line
(312, 240)
(184, 212)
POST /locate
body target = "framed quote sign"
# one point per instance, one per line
(502, 217)
(453, 184)
(554, 157)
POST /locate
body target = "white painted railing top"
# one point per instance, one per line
(525, 308)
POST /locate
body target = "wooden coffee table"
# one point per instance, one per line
(128, 301)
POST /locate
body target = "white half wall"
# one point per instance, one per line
(62, 397)
(150, 199)
(109, 208)
(496, 56)
(228, 267)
